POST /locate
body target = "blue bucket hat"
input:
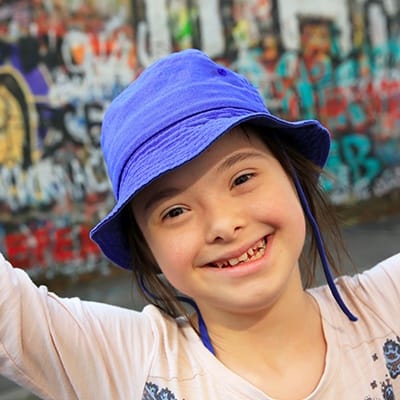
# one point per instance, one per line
(171, 113)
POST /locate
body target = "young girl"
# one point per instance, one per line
(219, 215)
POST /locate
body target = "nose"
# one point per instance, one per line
(225, 221)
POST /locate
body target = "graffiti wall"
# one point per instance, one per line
(62, 62)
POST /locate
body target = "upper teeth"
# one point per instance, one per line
(254, 252)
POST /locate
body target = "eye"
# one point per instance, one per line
(173, 213)
(242, 179)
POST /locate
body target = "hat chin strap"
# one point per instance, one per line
(204, 336)
(321, 249)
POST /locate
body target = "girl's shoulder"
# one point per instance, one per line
(364, 352)
(373, 294)
(379, 285)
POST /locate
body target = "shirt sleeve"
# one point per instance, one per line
(68, 348)
(379, 289)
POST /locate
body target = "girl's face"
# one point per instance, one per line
(227, 228)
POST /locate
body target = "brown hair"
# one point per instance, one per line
(157, 290)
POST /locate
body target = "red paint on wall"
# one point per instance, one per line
(47, 247)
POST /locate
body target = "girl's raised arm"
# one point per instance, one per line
(68, 348)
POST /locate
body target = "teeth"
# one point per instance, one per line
(254, 253)
(260, 244)
(219, 264)
(233, 262)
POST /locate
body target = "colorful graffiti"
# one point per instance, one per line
(61, 63)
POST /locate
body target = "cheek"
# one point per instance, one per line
(280, 201)
(296, 219)
(174, 254)
(295, 213)
(281, 208)
(168, 253)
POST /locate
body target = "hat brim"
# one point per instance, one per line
(191, 137)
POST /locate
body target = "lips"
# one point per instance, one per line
(253, 253)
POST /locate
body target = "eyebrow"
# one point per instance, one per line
(235, 158)
(161, 195)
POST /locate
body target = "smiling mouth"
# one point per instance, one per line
(254, 253)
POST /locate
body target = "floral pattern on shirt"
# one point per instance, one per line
(391, 352)
(153, 392)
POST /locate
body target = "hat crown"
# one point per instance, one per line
(172, 89)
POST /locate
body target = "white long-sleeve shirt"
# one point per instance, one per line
(73, 349)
